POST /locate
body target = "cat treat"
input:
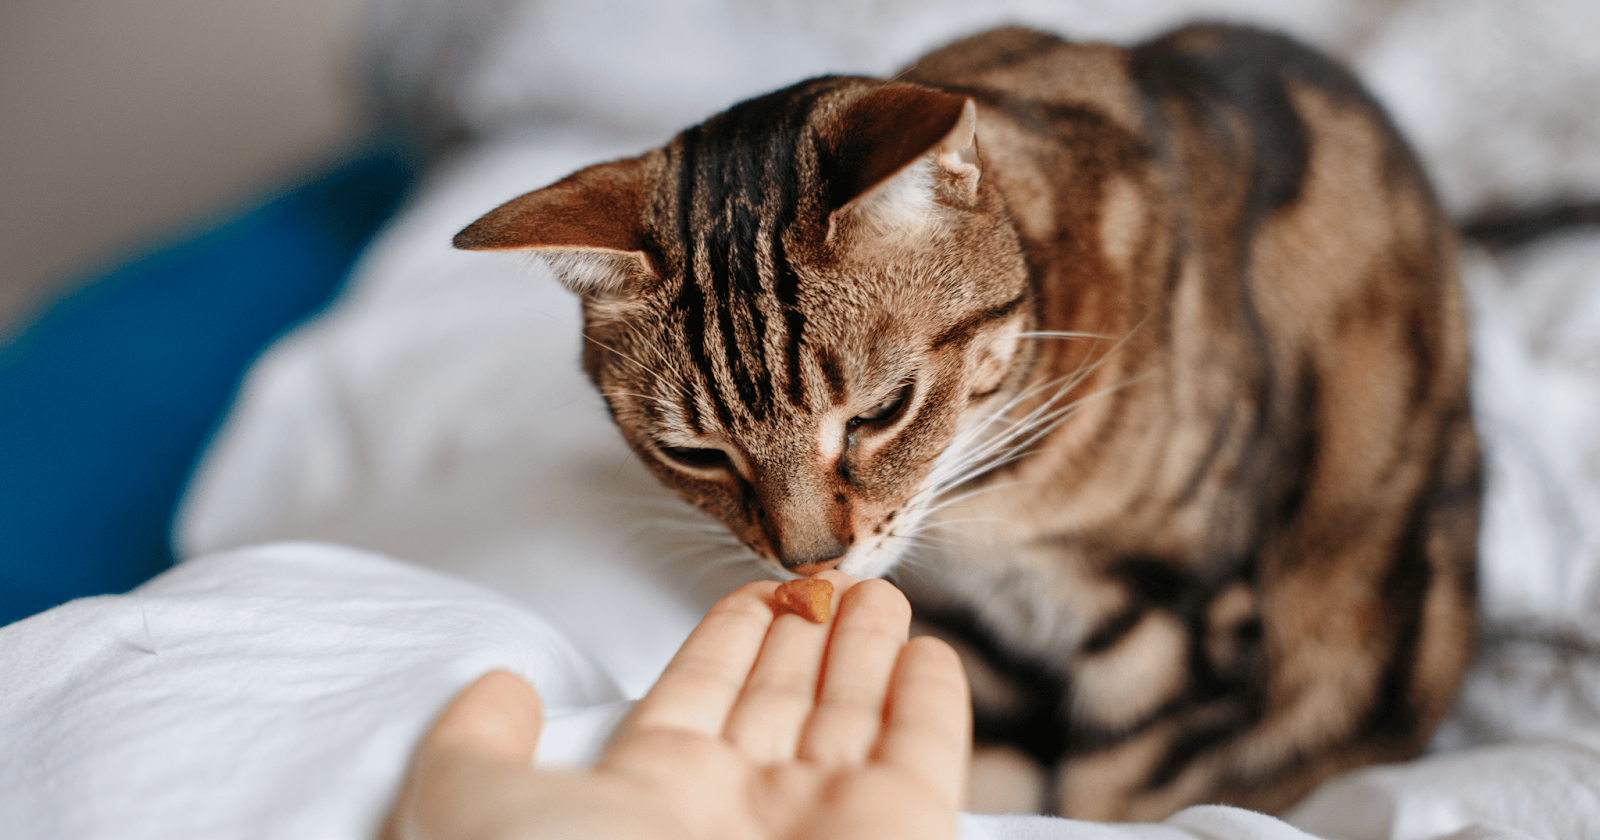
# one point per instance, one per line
(809, 598)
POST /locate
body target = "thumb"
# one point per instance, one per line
(493, 723)
(498, 717)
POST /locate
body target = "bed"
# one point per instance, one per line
(419, 485)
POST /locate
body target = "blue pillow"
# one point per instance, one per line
(108, 398)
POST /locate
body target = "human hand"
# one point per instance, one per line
(758, 728)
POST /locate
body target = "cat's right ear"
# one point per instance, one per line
(900, 149)
(587, 226)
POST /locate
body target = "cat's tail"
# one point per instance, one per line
(1502, 228)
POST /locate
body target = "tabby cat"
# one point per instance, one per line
(1153, 359)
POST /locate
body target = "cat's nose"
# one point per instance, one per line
(814, 555)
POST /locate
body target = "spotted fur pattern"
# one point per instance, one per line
(1147, 366)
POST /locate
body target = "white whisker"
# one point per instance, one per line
(999, 439)
(658, 400)
(659, 377)
(1060, 334)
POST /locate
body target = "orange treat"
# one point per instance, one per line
(809, 598)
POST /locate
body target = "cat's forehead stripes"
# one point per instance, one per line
(741, 180)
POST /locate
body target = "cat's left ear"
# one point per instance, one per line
(587, 226)
(900, 149)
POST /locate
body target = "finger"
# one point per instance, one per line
(491, 725)
(874, 618)
(928, 727)
(499, 716)
(701, 683)
(782, 690)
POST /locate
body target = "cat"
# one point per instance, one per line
(1148, 364)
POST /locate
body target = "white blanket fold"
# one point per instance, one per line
(266, 692)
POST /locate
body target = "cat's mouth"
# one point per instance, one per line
(812, 569)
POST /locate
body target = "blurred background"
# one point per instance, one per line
(126, 120)
(182, 181)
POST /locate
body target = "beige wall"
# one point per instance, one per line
(121, 120)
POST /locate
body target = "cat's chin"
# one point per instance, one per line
(870, 567)
(876, 561)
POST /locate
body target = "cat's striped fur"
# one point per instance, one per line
(1154, 356)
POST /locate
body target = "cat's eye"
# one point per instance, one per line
(696, 457)
(885, 410)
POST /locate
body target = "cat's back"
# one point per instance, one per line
(1283, 411)
(1205, 108)
(1019, 70)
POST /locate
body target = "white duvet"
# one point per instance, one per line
(420, 485)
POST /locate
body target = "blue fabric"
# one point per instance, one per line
(107, 399)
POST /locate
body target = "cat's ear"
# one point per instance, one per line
(900, 149)
(587, 226)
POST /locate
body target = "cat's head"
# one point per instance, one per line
(795, 309)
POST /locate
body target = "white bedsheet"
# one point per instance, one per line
(267, 692)
(277, 691)
(436, 415)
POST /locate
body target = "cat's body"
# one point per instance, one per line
(1164, 373)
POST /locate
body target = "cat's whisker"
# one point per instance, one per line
(670, 505)
(1012, 443)
(940, 504)
(1061, 385)
(697, 574)
(959, 469)
(658, 400)
(917, 542)
(934, 502)
(1010, 430)
(1061, 334)
(709, 530)
(992, 452)
(699, 522)
(952, 524)
(695, 540)
(690, 557)
(660, 355)
(1045, 424)
(912, 567)
(1035, 425)
(1065, 384)
(662, 502)
(686, 541)
(921, 563)
(657, 375)
(926, 540)
(679, 553)
(685, 529)
(974, 447)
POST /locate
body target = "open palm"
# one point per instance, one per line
(760, 727)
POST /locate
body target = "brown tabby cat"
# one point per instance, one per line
(1161, 347)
